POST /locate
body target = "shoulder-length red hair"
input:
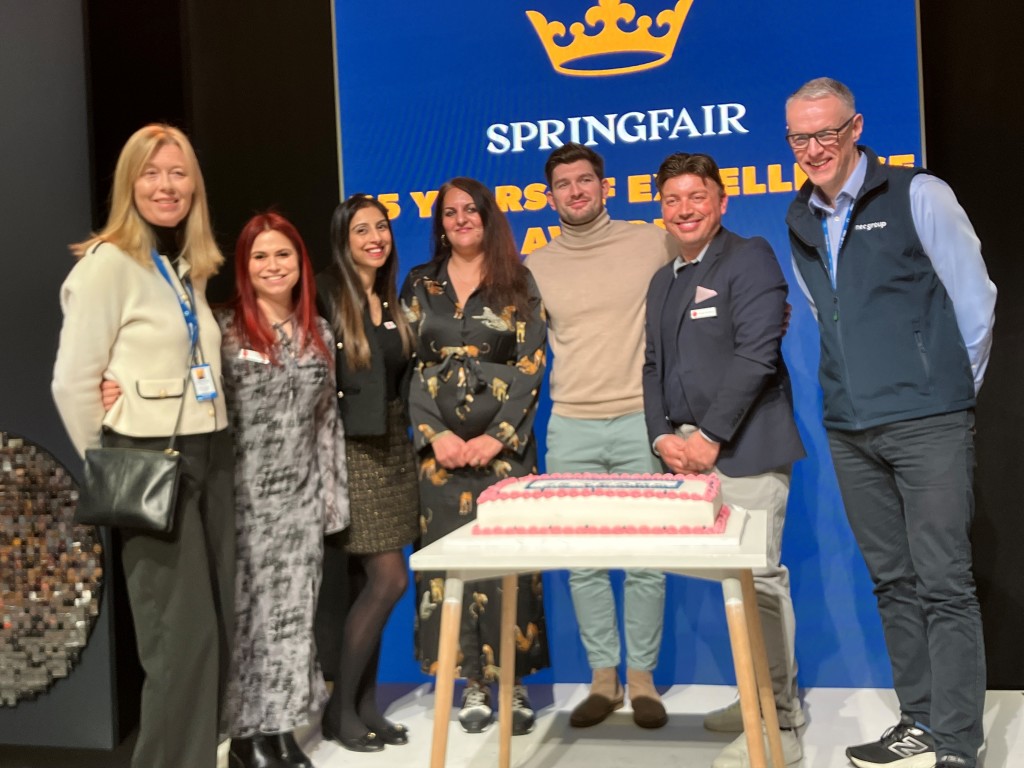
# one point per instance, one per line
(250, 321)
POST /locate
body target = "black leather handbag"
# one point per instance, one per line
(134, 488)
(130, 488)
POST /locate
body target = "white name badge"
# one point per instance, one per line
(697, 314)
(390, 325)
(253, 356)
(202, 382)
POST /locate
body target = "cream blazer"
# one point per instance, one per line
(123, 322)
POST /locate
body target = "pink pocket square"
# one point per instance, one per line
(703, 294)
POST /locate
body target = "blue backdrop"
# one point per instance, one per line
(427, 91)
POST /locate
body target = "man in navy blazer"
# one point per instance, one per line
(717, 396)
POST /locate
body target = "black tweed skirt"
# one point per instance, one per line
(382, 488)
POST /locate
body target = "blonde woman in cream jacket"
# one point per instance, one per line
(132, 304)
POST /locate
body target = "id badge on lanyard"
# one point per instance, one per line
(201, 374)
(202, 382)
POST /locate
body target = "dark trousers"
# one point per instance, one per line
(908, 492)
(181, 591)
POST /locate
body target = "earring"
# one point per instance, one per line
(444, 239)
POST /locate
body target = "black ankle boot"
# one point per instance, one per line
(289, 750)
(259, 751)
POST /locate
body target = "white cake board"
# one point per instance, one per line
(575, 542)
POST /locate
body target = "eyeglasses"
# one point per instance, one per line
(825, 138)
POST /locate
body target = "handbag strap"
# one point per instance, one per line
(184, 392)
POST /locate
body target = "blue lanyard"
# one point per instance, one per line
(191, 321)
(828, 244)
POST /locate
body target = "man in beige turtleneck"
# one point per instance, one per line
(593, 279)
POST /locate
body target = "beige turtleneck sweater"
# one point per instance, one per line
(593, 280)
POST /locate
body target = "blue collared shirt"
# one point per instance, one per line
(951, 245)
(680, 262)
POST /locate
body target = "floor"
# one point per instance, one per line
(837, 717)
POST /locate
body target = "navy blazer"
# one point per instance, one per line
(730, 360)
(362, 393)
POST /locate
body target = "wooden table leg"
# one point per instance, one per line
(507, 659)
(761, 670)
(739, 637)
(444, 686)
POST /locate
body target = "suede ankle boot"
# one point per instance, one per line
(605, 697)
(648, 711)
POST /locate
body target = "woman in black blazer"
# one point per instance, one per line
(357, 295)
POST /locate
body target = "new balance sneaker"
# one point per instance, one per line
(523, 716)
(476, 713)
(903, 746)
(954, 761)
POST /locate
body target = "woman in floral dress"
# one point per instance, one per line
(481, 336)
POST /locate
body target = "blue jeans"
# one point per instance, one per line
(908, 492)
(611, 445)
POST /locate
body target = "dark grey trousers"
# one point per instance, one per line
(908, 492)
(181, 590)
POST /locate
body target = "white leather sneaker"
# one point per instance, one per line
(727, 719)
(736, 754)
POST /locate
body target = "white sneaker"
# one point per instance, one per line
(736, 755)
(729, 719)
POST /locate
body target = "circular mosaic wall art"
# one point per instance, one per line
(51, 572)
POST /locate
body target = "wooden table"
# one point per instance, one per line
(465, 557)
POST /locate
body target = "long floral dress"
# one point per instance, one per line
(479, 371)
(290, 489)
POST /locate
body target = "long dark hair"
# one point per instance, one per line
(250, 320)
(350, 299)
(503, 278)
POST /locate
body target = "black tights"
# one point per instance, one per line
(352, 709)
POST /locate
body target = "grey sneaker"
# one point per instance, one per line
(476, 713)
(523, 716)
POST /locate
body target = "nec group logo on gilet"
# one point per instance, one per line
(613, 41)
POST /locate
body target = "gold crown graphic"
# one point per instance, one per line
(584, 55)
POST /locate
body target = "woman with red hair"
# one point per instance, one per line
(290, 488)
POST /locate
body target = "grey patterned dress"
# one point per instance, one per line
(290, 488)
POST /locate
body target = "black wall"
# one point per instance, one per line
(261, 101)
(252, 84)
(972, 119)
(44, 205)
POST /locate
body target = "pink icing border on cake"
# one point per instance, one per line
(497, 491)
(606, 530)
